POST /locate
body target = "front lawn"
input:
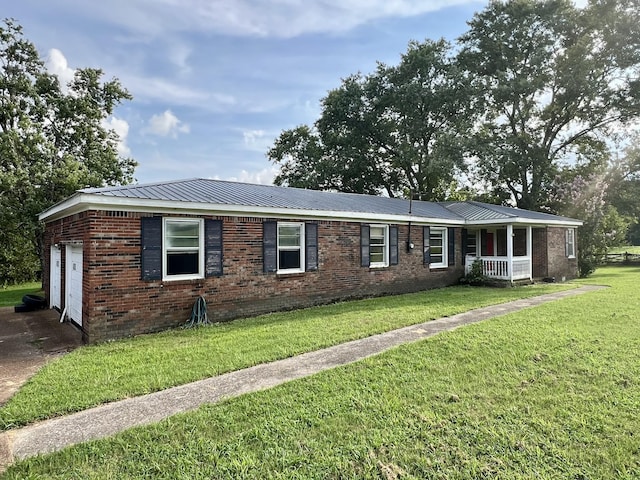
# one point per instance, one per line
(97, 374)
(547, 392)
(11, 296)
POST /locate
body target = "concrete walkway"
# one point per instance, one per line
(109, 419)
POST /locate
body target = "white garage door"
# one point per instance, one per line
(55, 277)
(73, 283)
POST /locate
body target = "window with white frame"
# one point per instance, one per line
(183, 248)
(290, 247)
(438, 247)
(571, 242)
(379, 246)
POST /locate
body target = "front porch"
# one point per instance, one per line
(505, 252)
(502, 268)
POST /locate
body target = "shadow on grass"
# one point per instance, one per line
(440, 302)
(598, 274)
(11, 296)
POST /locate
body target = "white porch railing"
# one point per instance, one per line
(498, 267)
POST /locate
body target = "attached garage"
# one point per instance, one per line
(73, 284)
(55, 286)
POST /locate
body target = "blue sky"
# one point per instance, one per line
(215, 82)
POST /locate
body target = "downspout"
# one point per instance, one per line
(409, 243)
(510, 237)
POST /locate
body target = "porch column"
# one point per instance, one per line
(510, 251)
(530, 250)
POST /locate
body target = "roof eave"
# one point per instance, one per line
(564, 222)
(69, 206)
(81, 202)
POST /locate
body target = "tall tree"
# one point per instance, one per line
(554, 80)
(52, 142)
(623, 177)
(584, 197)
(400, 130)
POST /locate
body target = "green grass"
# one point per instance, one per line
(10, 296)
(548, 392)
(97, 374)
(635, 249)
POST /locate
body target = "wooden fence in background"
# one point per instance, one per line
(621, 259)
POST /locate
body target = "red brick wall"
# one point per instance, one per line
(549, 257)
(539, 252)
(117, 303)
(560, 266)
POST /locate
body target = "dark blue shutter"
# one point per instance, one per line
(393, 245)
(365, 259)
(465, 240)
(270, 246)
(311, 247)
(213, 247)
(151, 248)
(426, 253)
(451, 246)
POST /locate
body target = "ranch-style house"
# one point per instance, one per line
(127, 260)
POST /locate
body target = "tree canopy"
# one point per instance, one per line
(531, 87)
(554, 81)
(53, 141)
(400, 130)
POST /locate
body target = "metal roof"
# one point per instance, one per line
(472, 211)
(236, 197)
(478, 211)
(269, 196)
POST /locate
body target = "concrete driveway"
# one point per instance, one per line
(28, 341)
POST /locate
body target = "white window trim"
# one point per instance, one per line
(445, 243)
(571, 232)
(385, 262)
(165, 250)
(301, 247)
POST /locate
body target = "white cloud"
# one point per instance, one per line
(159, 88)
(251, 136)
(263, 177)
(57, 64)
(121, 128)
(154, 89)
(277, 18)
(258, 141)
(167, 124)
(291, 18)
(179, 55)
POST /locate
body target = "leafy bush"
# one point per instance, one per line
(475, 276)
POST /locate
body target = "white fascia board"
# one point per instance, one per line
(527, 221)
(81, 202)
(71, 205)
(84, 201)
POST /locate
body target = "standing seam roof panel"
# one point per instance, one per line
(233, 193)
(222, 192)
